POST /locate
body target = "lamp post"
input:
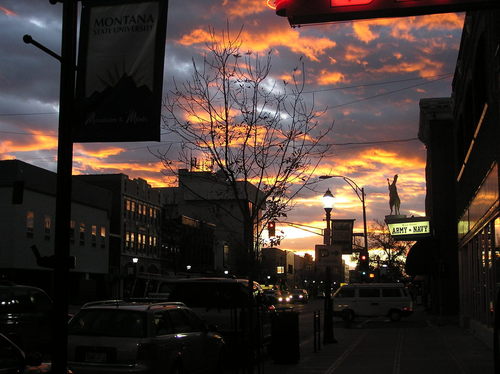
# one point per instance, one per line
(360, 193)
(328, 334)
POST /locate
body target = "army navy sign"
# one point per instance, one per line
(120, 70)
(412, 228)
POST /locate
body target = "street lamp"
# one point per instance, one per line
(328, 335)
(328, 206)
(360, 193)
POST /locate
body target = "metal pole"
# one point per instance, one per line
(364, 220)
(63, 187)
(328, 334)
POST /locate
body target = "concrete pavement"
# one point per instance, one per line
(413, 345)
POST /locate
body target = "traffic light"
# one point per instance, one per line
(271, 229)
(363, 262)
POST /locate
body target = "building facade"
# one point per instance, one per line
(476, 96)
(463, 144)
(27, 218)
(135, 229)
(207, 197)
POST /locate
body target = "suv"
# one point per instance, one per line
(372, 299)
(222, 302)
(26, 316)
(138, 337)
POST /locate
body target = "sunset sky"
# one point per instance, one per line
(369, 75)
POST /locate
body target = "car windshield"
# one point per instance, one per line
(108, 322)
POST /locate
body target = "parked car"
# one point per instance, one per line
(139, 337)
(26, 316)
(223, 302)
(372, 300)
(300, 296)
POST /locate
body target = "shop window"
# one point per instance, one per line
(103, 236)
(93, 237)
(46, 227)
(72, 225)
(82, 233)
(30, 224)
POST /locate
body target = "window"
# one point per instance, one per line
(46, 227)
(345, 292)
(280, 269)
(180, 321)
(162, 324)
(30, 224)
(94, 235)
(127, 205)
(132, 240)
(391, 292)
(369, 292)
(127, 239)
(132, 206)
(82, 233)
(72, 225)
(103, 236)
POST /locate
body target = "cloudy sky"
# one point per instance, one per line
(370, 74)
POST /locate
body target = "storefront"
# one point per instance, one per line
(479, 257)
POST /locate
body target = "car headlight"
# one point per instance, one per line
(300, 296)
(280, 299)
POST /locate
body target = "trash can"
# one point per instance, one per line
(285, 344)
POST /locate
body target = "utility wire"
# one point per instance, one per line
(379, 83)
(440, 77)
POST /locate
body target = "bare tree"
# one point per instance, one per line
(249, 128)
(393, 252)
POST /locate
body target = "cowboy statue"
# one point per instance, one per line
(394, 201)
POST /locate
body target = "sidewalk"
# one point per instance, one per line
(415, 345)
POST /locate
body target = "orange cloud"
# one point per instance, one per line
(244, 8)
(327, 78)
(7, 11)
(425, 67)
(366, 32)
(100, 153)
(39, 141)
(355, 54)
(310, 47)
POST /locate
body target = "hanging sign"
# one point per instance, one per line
(342, 234)
(120, 71)
(318, 11)
(412, 228)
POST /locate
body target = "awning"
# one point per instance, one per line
(419, 258)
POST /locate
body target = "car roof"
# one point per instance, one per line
(132, 305)
(10, 285)
(371, 285)
(209, 280)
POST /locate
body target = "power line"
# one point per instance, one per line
(439, 77)
(379, 83)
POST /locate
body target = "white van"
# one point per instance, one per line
(371, 300)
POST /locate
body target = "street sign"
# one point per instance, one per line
(342, 234)
(319, 11)
(412, 228)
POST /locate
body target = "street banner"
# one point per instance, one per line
(342, 234)
(120, 71)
